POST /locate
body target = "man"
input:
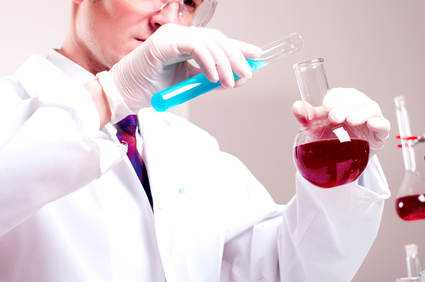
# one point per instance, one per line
(85, 196)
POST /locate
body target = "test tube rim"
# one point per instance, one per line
(271, 47)
(400, 101)
(301, 66)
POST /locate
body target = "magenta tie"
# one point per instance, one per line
(126, 133)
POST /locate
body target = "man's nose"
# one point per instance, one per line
(168, 14)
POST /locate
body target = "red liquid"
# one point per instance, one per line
(329, 163)
(411, 207)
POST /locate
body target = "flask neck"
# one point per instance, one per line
(312, 81)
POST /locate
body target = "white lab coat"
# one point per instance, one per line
(72, 208)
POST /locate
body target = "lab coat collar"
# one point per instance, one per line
(46, 82)
(72, 69)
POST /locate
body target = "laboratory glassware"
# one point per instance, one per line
(410, 202)
(199, 84)
(413, 265)
(416, 140)
(326, 154)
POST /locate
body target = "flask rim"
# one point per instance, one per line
(308, 64)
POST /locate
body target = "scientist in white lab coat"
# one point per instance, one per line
(85, 199)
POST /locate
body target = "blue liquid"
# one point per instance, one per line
(191, 88)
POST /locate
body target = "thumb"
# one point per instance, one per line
(302, 111)
(306, 113)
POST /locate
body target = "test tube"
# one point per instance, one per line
(414, 267)
(405, 131)
(199, 84)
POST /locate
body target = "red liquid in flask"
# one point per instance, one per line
(329, 163)
(411, 207)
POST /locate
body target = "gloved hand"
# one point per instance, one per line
(161, 61)
(353, 107)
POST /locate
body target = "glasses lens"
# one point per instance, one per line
(188, 10)
(191, 5)
(204, 12)
(191, 12)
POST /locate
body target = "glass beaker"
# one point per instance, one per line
(326, 154)
(410, 202)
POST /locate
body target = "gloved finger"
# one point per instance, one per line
(337, 115)
(320, 112)
(233, 52)
(248, 50)
(192, 68)
(222, 63)
(241, 81)
(361, 113)
(303, 112)
(337, 97)
(201, 54)
(237, 61)
(380, 126)
(351, 105)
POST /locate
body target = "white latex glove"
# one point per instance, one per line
(353, 107)
(161, 61)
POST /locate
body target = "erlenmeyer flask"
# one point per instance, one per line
(410, 202)
(326, 154)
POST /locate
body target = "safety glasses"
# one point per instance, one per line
(190, 12)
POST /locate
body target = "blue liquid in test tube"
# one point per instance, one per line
(199, 84)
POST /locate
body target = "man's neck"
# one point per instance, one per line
(81, 55)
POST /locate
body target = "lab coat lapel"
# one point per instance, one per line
(189, 230)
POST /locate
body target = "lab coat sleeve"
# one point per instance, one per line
(320, 235)
(47, 150)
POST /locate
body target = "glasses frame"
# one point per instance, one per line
(203, 14)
